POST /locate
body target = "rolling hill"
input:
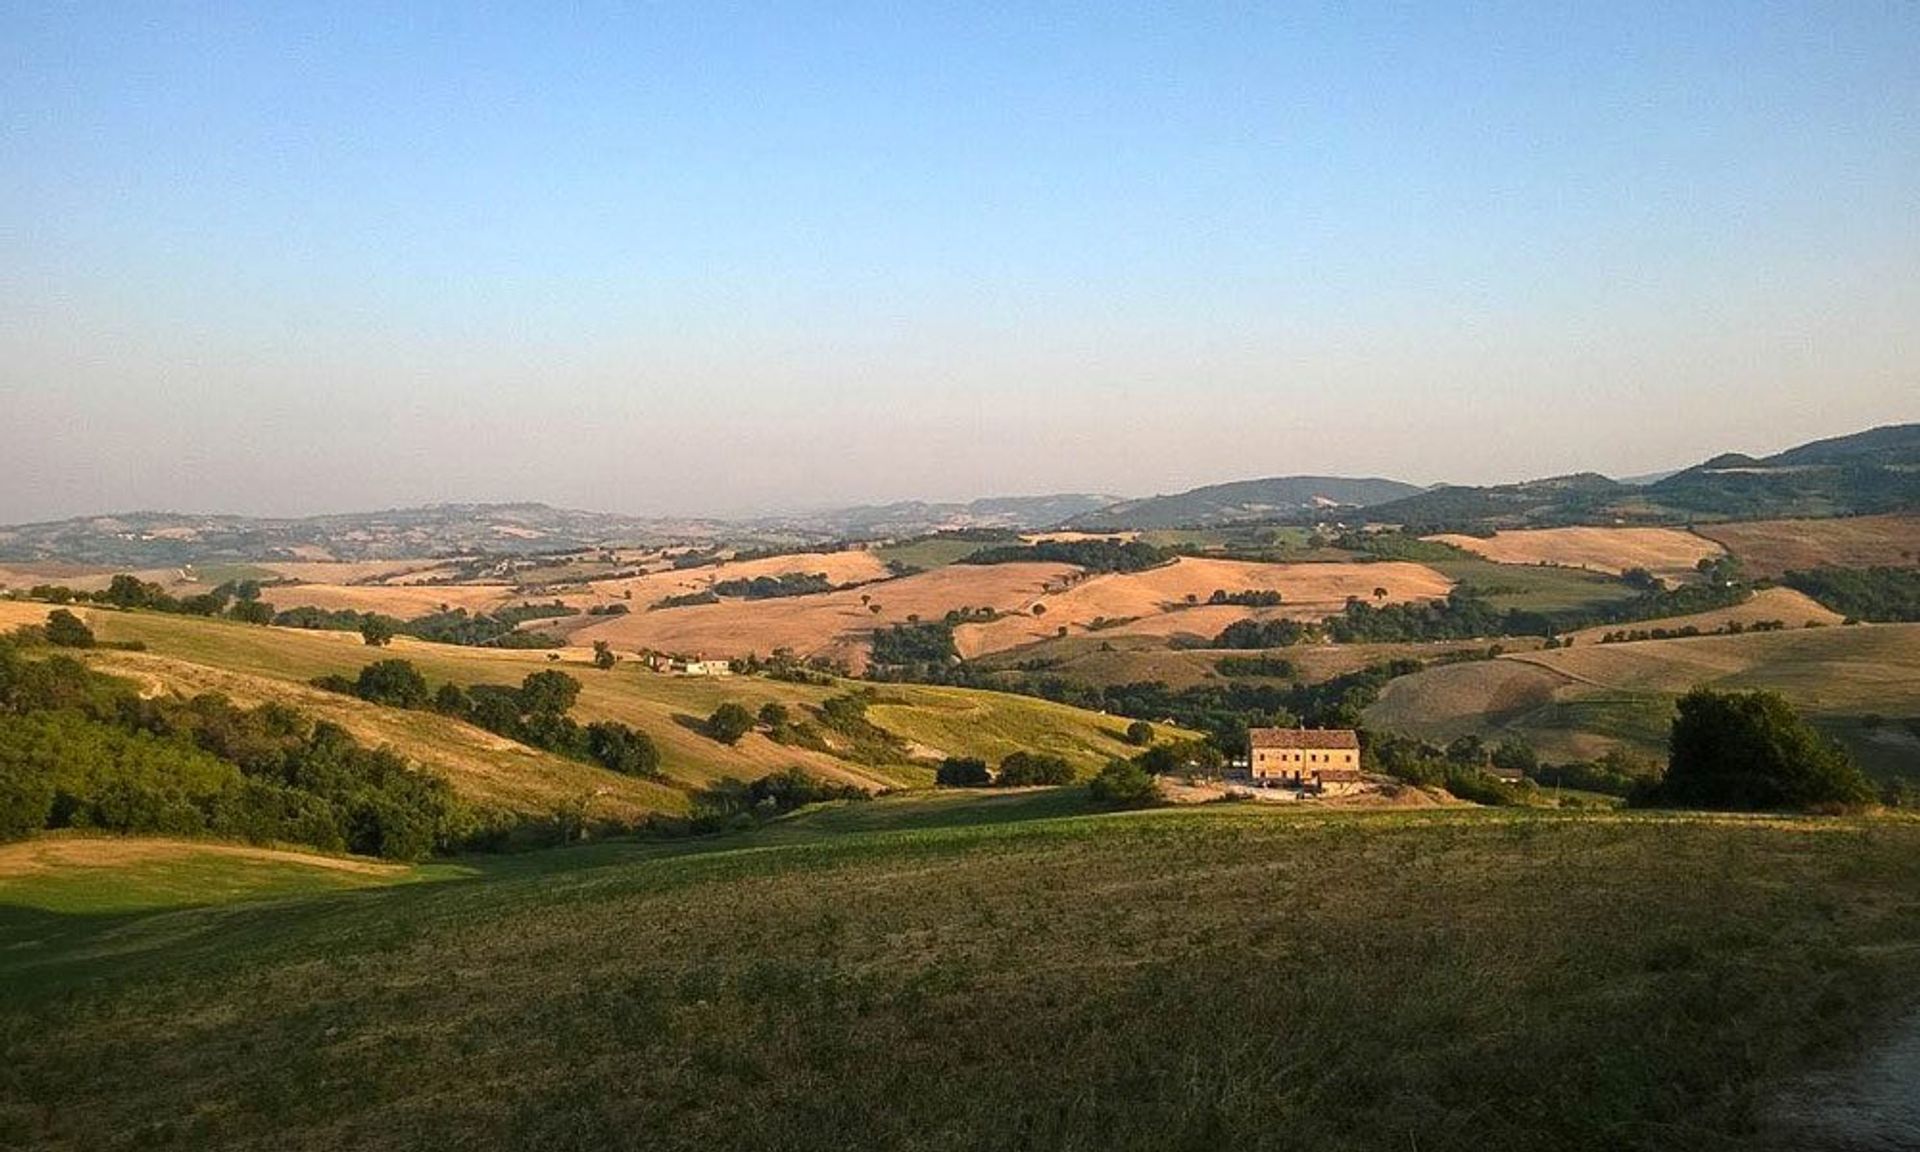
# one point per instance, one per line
(1871, 472)
(1575, 703)
(251, 664)
(1242, 500)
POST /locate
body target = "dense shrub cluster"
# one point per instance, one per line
(1886, 595)
(774, 587)
(1111, 555)
(1749, 751)
(732, 803)
(79, 750)
(909, 645)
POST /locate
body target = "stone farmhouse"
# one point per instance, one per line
(1323, 760)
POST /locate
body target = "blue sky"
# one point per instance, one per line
(689, 258)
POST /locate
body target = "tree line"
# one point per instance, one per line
(83, 750)
(534, 714)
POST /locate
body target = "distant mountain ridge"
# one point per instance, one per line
(1875, 471)
(171, 539)
(1242, 500)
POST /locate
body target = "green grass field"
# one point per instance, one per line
(1534, 588)
(928, 553)
(993, 972)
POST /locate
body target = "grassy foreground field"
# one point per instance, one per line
(929, 973)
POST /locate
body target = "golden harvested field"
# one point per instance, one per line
(45, 854)
(18, 613)
(353, 571)
(79, 577)
(1794, 609)
(1668, 552)
(1111, 658)
(1310, 591)
(851, 567)
(834, 624)
(1771, 547)
(402, 601)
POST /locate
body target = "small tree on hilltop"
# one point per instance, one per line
(1139, 733)
(1749, 751)
(376, 631)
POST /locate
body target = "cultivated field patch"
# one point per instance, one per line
(1667, 552)
(1154, 602)
(1771, 547)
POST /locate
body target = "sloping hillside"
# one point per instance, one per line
(250, 663)
(1579, 701)
(1242, 500)
(1155, 601)
(1774, 547)
(1667, 552)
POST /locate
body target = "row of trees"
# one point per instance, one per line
(535, 713)
(499, 629)
(235, 599)
(775, 587)
(1017, 770)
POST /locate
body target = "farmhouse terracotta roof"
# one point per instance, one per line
(1303, 738)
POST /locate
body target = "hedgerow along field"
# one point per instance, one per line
(899, 973)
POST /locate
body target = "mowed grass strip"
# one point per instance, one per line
(87, 875)
(1189, 979)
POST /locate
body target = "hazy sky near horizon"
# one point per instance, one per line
(692, 258)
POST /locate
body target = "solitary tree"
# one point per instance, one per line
(1124, 784)
(68, 630)
(1749, 751)
(1140, 733)
(376, 630)
(603, 657)
(729, 722)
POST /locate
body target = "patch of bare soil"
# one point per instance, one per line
(1871, 1107)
